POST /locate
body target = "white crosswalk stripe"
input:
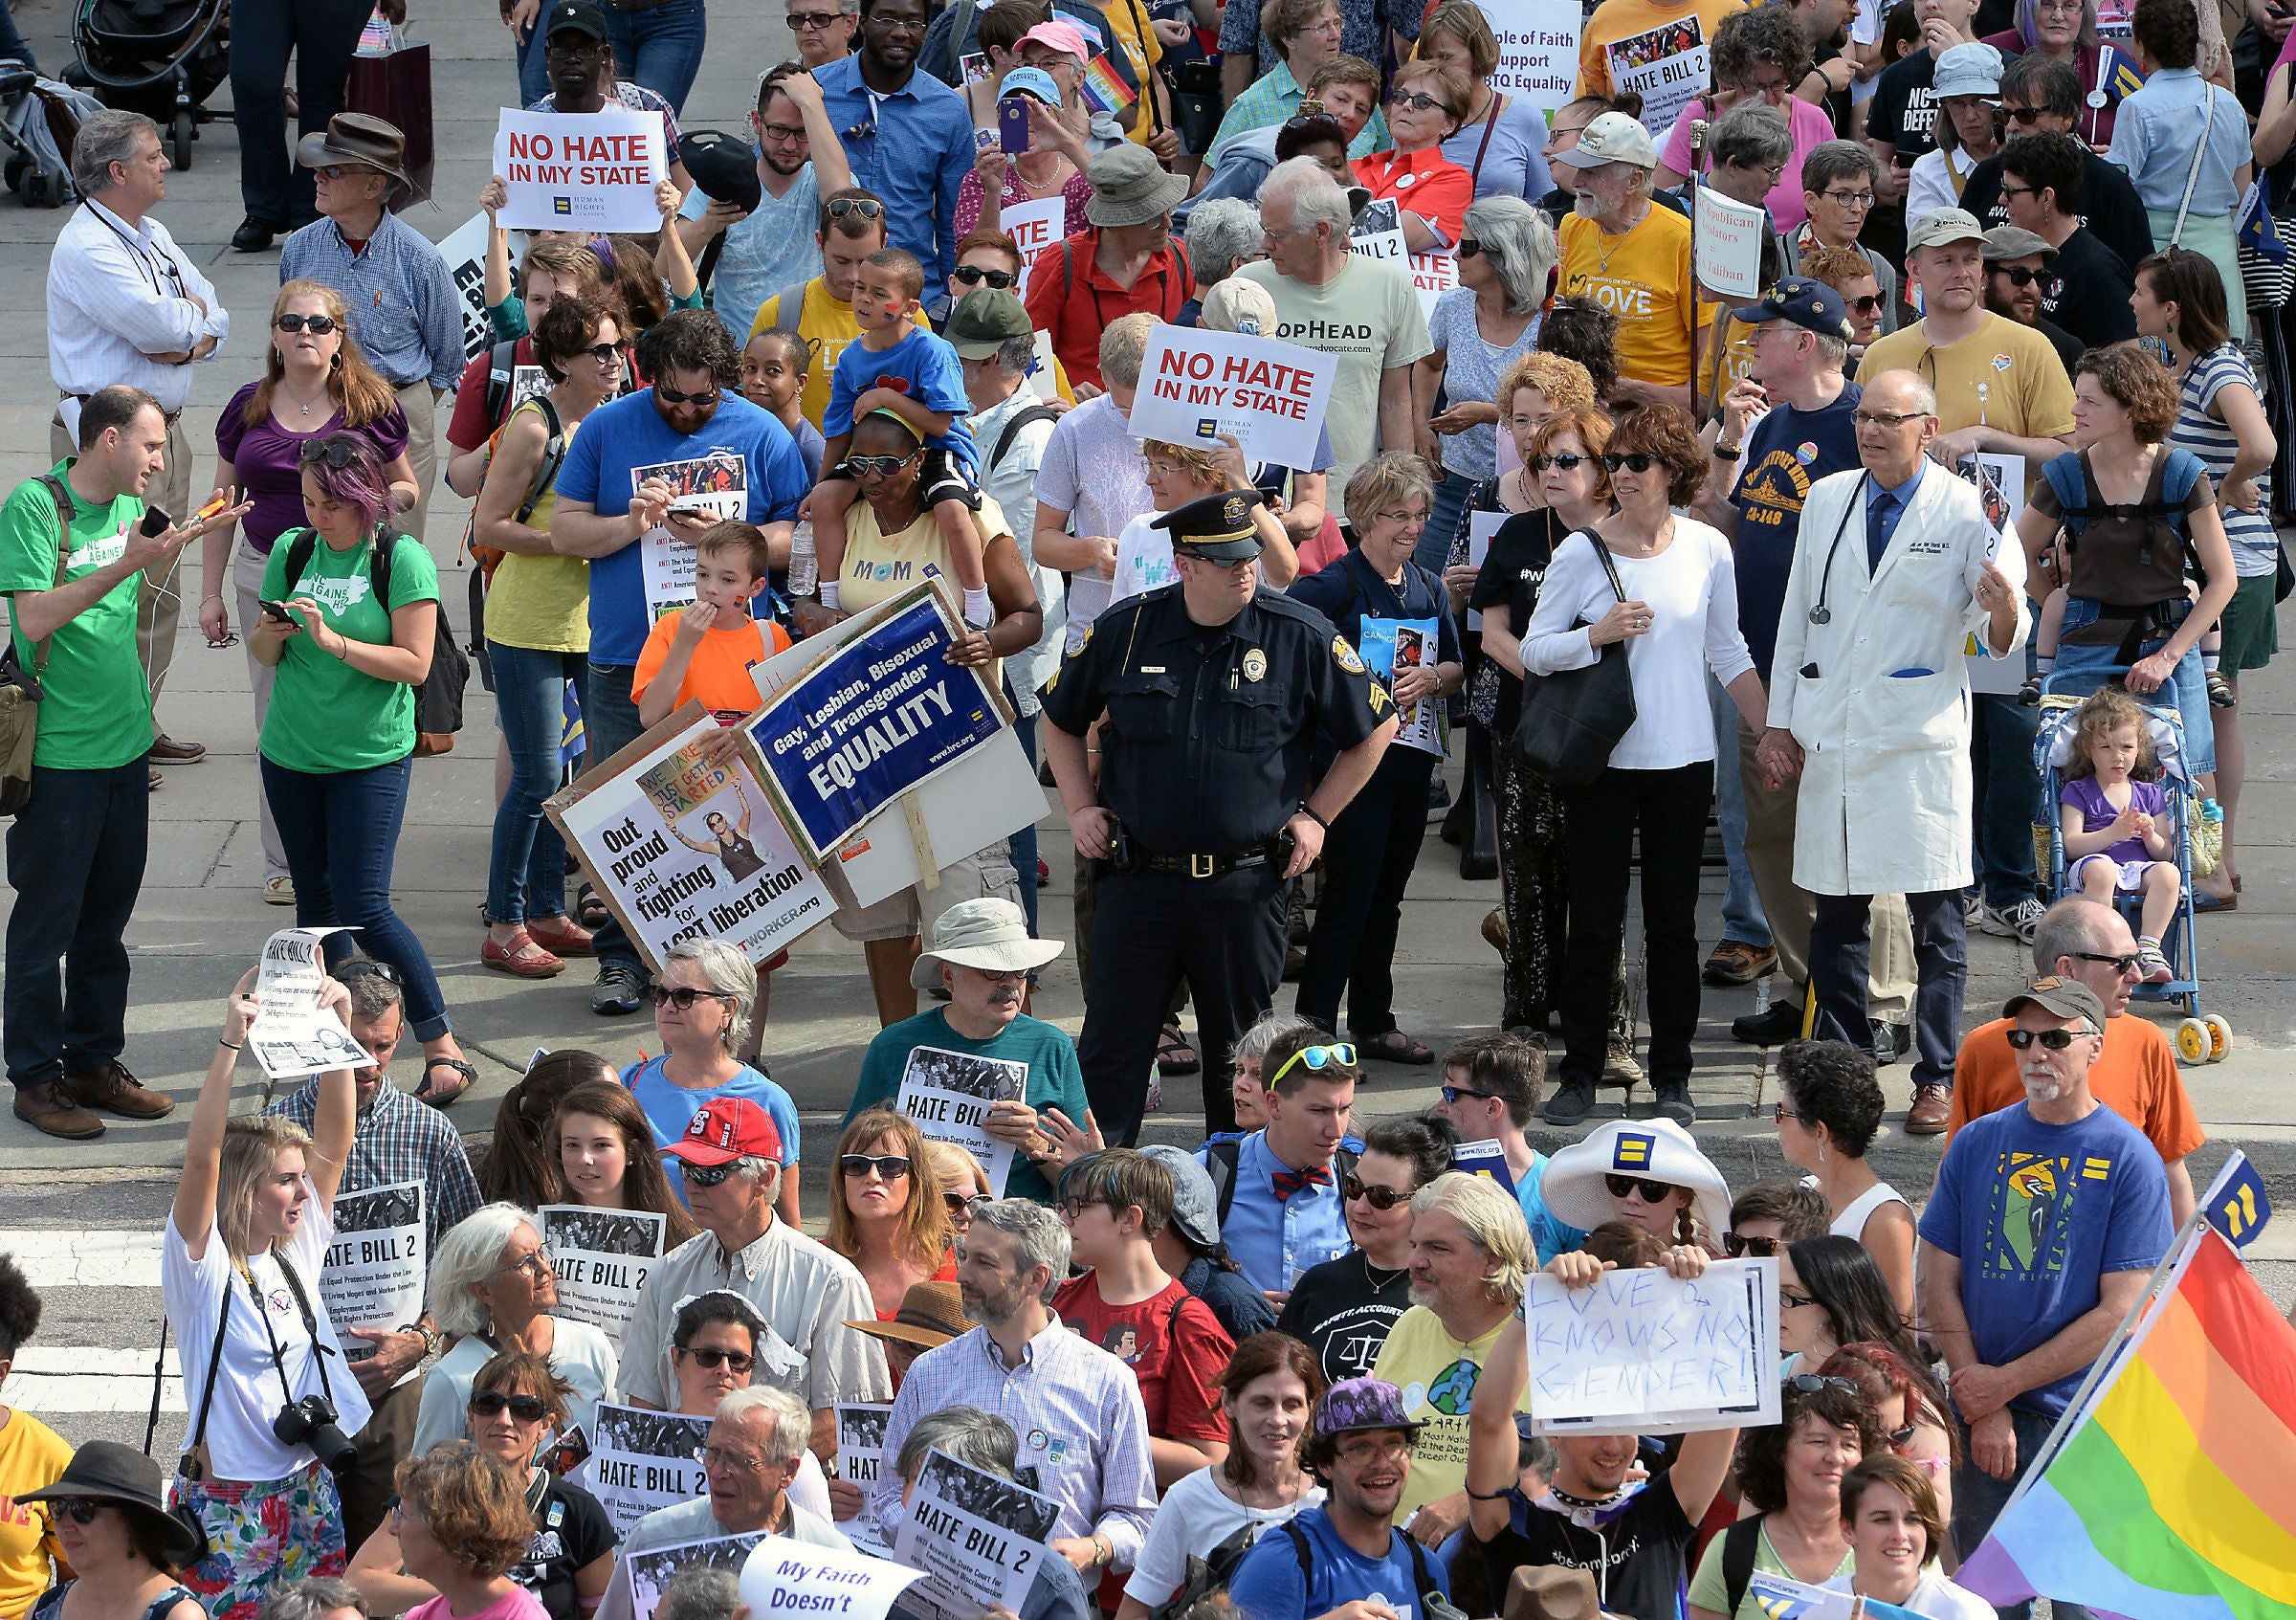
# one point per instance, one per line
(50, 1380)
(52, 1259)
(86, 1275)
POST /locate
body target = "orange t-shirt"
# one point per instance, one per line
(717, 675)
(2135, 1077)
(1425, 183)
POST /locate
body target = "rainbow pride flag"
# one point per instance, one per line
(2171, 1499)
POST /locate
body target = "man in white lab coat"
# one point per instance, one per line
(1895, 568)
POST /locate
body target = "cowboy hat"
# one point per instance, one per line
(360, 138)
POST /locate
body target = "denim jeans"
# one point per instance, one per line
(323, 35)
(2008, 792)
(75, 860)
(1978, 1499)
(342, 833)
(11, 43)
(1742, 918)
(660, 48)
(1446, 518)
(610, 724)
(534, 73)
(526, 874)
(1023, 841)
(2186, 692)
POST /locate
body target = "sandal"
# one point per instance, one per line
(590, 910)
(1396, 1047)
(1174, 1055)
(466, 1077)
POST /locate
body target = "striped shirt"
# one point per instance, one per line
(1077, 1412)
(404, 312)
(2255, 547)
(118, 294)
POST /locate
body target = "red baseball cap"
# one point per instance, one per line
(728, 1128)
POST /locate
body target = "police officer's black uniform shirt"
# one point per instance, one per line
(1206, 747)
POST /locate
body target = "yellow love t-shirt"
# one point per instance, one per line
(1642, 276)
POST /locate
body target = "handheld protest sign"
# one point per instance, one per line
(1270, 395)
(580, 172)
(602, 1258)
(294, 1033)
(373, 1273)
(641, 1460)
(976, 1537)
(1641, 1352)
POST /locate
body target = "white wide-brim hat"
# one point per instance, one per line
(1647, 1149)
(988, 934)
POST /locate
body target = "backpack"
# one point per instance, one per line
(1425, 1586)
(1012, 430)
(489, 558)
(2140, 590)
(20, 687)
(305, 544)
(501, 370)
(1220, 1158)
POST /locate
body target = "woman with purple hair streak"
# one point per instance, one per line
(349, 612)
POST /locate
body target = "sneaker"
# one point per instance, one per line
(1932, 1106)
(1619, 1067)
(114, 1089)
(1439, 800)
(1891, 1042)
(1973, 909)
(1734, 961)
(2150, 963)
(2029, 694)
(618, 992)
(2220, 691)
(2016, 921)
(278, 891)
(1673, 1103)
(48, 1107)
(1780, 1024)
(1573, 1102)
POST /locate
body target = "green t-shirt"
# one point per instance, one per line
(324, 715)
(96, 711)
(1054, 1079)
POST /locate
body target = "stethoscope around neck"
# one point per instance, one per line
(1821, 614)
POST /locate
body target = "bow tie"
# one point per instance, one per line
(1288, 1182)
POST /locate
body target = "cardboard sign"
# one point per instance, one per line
(1641, 1353)
(683, 846)
(882, 714)
(1378, 231)
(373, 1273)
(1480, 527)
(1728, 235)
(648, 1574)
(642, 1461)
(948, 1095)
(1669, 66)
(1538, 50)
(976, 1536)
(1484, 1159)
(1270, 395)
(580, 172)
(1033, 228)
(603, 1257)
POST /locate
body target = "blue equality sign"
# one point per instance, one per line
(880, 715)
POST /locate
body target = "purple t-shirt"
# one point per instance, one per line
(2097, 814)
(266, 462)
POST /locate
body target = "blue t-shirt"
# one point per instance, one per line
(627, 433)
(1268, 1583)
(1787, 452)
(921, 366)
(2037, 1213)
(1549, 1234)
(671, 1108)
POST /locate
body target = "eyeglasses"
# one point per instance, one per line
(739, 1462)
(1889, 418)
(888, 1166)
(883, 466)
(782, 132)
(684, 997)
(536, 1265)
(338, 451)
(1072, 1207)
(1469, 247)
(319, 326)
(1400, 519)
(1810, 1383)
(2025, 115)
(1570, 461)
(1415, 100)
(494, 1403)
(1793, 1299)
(806, 22)
(1738, 1248)
(714, 1358)
(2054, 1041)
(2018, 276)
(705, 1175)
(1638, 462)
(896, 25)
(80, 1512)
(1371, 1192)
(1452, 1093)
(1848, 199)
(2008, 190)
(1375, 1447)
(2118, 964)
(1316, 1059)
(855, 207)
(1652, 1191)
(671, 396)
(973, 274)
(1780, 1114)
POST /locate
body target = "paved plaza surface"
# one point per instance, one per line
(85, 1217)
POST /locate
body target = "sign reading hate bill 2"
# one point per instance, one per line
(1268, 395)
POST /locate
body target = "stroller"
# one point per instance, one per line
(2199, 1038)
(39, 120)
(157, 57)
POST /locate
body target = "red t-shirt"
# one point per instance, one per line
(1177, 1354)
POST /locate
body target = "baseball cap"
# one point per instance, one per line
(585, 17)
(1029, 81)
(1356, 1404)
(1939, 227)
(1058, 35)
(1804, 301)
(2067, 998)
(728, 1128)
(1611, 138)
(983, 321)
(2013, 241)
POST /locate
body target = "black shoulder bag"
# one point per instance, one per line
(1573, 718)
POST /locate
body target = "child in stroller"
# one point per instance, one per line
(2113, 817)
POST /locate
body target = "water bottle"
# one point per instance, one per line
(2211, 811)
(803, 571)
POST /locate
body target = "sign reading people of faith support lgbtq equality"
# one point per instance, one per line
(1538, 50)
(1197, 384)
(580, 172)
(1639, 1352)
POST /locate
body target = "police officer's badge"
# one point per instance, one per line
(1255, 665)
(1236, 513)
(1345, 656)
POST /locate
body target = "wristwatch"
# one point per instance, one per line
(1727, 451)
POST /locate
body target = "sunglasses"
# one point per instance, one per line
(1652, 1191)
(805, 22)
(973, 274)
(334, 171)
(2054, 1041)
(964, 1204)
(714, 1358)
(705, 1175)
(604, 354)
(1738, 1248)
(319, 326)
(1780, 1114)
(1810, 1383)
(1416, 101)
(883, 466)
(1469, 247)
(2025, 115)
(80, 1512)
(1636, 462)
(357, 966)
(889, 1167)
(1452, 1093)
(1869, 304)
(494, 1403)
(684, 997)
(855, 207)
(671, 396)
(1316, 1059)
(2018, 276)
(337, 451)
(1372, 1194)
(2118, 964)
(1899, 1437)
(1570, 461)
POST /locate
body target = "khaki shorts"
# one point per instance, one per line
(912, 912)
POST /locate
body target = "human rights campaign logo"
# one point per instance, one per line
(563, 205)
(1207, 426)
(1632, 1151)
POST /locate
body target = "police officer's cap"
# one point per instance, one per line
(1217, 528)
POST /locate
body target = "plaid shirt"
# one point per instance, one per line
(405, 311)
(1077, 1412)
(399, 1139)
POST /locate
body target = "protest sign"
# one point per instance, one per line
(1433, 275)
(1268, 396)
(989, 794)
(646, 1575)
(1480, 527)
(976, 1538)
(1538, 50)
(602, 1258)
(1391, 646)
(293, 1035)
(948, 1093)
(717, 486)
(1667, 65)
(685, 845)
(1639, 1352)
(1783, 1595)
(786, 1577)
(372, 1274)
(1034, 227)
(464, 249)
(2001, 480)
(1378, 231)
(861, 1444)
(580, 172)
(1728, 235)
(1484, 1159)
(642, 1461)
(880, 713)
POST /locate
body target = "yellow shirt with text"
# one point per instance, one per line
(1643, 278)
(827, 325)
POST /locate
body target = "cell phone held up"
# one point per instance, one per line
(277, 611)
(156, 521)
(1012, 125)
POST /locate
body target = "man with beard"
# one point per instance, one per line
(1632, 258)
(1346, 1560)
(982, 957)
(908, 135)
(1077, 1407)
(2046, 1220)
(2016, 268)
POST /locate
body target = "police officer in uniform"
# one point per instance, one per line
(1214, 692)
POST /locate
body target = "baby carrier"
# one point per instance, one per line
(2136, 557)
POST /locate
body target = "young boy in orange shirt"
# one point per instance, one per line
(703, 653)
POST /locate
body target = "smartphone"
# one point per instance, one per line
(1012, 125)
(156, 521)
(277, 611)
